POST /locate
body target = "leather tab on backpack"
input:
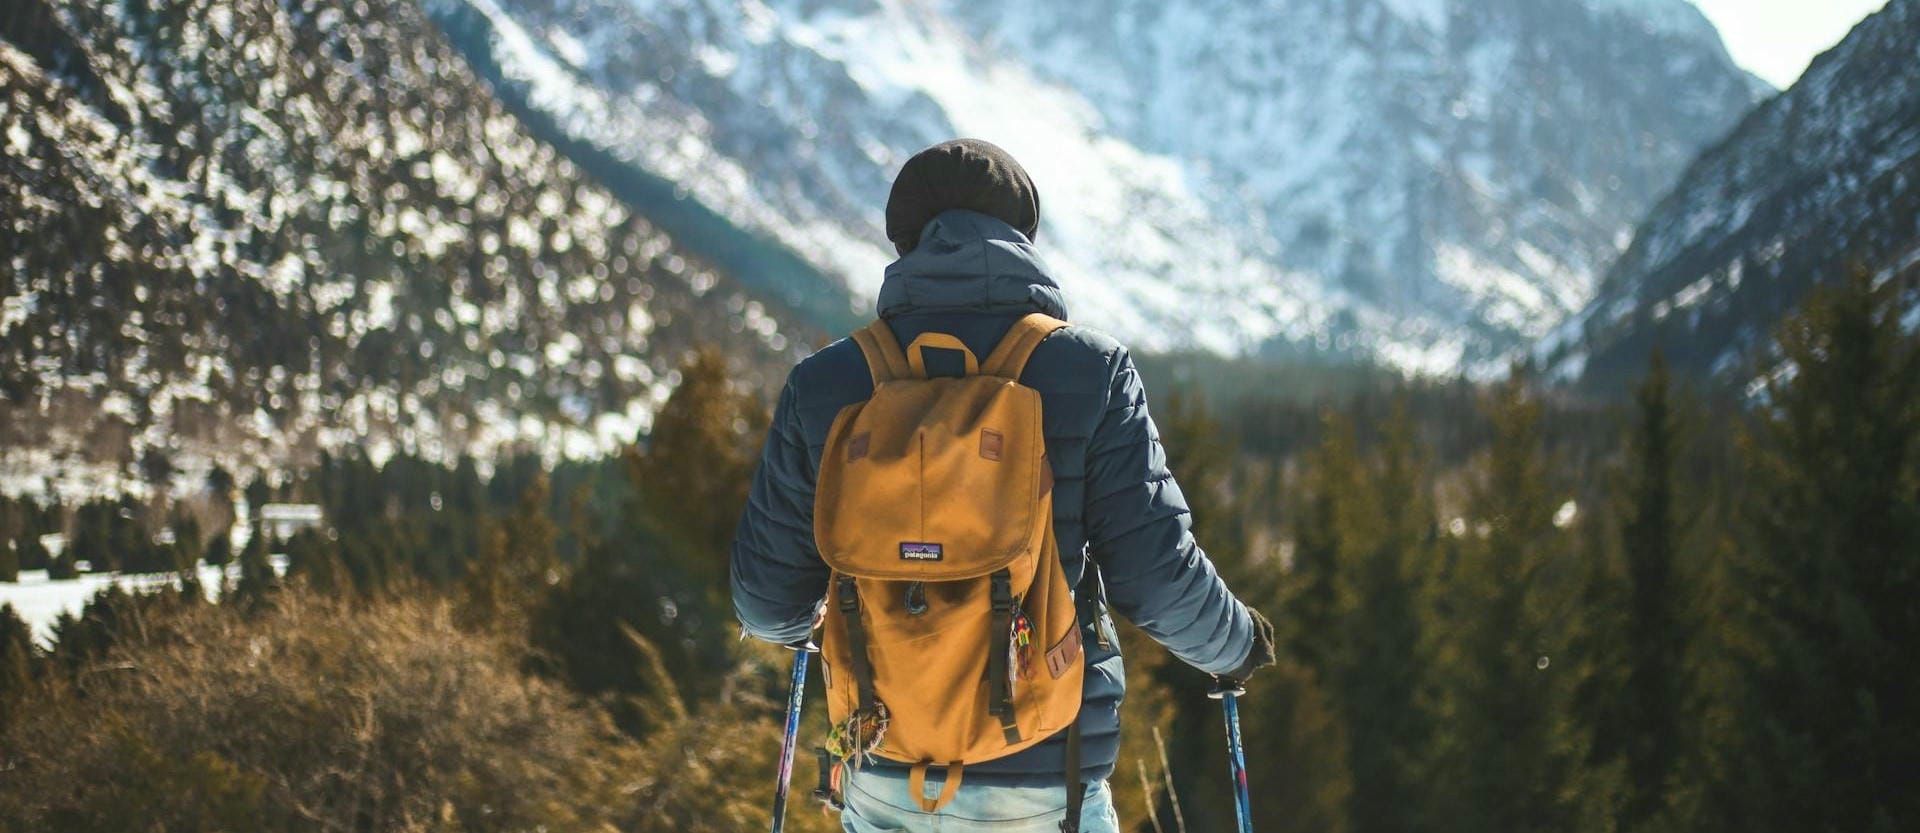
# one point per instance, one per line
(1063, 654)
(993, 444)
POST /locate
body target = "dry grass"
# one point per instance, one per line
(327, 716)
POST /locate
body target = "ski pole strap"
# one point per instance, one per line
(828, 790)
(848, 596)
(1076, 789)
(999, 677)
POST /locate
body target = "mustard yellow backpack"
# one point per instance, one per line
(950, 634)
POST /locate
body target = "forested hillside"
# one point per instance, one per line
(240, 230)
(1498, 608)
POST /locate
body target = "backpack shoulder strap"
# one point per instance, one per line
(882, 350)
(1010, 358)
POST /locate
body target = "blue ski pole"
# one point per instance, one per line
(1228, 693)
(796, 691)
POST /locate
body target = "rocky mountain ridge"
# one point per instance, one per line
(1426, 183)
(244, 231)
(1816, 183)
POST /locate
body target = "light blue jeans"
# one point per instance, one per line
(878, 802)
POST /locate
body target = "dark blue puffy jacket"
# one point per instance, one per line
(1114, 499)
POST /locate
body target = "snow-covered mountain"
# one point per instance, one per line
(1427, 182)
(1820, 180)
(244, 230)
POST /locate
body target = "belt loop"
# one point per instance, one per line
(917, 784)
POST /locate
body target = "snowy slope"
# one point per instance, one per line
(1429, 182)
(1820, 180)
(41, 601)
(853, 95)
(247, 230)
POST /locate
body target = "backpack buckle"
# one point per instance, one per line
(1002, 593)
(849, 596)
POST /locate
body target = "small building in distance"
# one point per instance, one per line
(285, 519)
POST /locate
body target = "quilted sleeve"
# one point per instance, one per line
(777, 576)
(1139, 531)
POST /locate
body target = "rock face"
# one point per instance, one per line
(244, 230)
(1821, 180)
(1423, 182)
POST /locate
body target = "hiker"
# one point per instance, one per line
(969, 294)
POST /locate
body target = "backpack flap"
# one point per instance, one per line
(932, 480)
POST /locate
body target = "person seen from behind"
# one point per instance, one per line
(966, 488)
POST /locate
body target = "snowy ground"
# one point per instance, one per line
(41, 600)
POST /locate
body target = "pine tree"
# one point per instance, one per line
(1830, 729)
(220, 486)
(30, 520)
(108, 619)
(695, 468)
(16, 661)
(12, 530)
(257, 577)
(63, 567)
(1636, 687)
(33, 554)
(128, 545)
(92, 539)
(1382, 673)
(1330, 497)
(516, 564)
(1508, 753)
(9, 560)
(312, 556)
(219, 548)
(1202, 456)
(187, 540)
(1290, 722)
(580, 630)
(185, 553)
(1297, 764)
(531, 535)
(257, 493)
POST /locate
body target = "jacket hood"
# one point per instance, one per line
(970, 262)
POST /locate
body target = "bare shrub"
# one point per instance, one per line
(320, 715)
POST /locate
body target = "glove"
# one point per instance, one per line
(1262, 654)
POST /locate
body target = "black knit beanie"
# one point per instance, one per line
(962, 173)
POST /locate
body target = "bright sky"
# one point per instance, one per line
(1775, 39)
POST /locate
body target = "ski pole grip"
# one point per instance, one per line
(1223, 686)
(807, 645)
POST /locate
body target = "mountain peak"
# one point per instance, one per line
(1813, 183)
(1245, 178)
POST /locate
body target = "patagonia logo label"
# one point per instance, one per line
(919, 551)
